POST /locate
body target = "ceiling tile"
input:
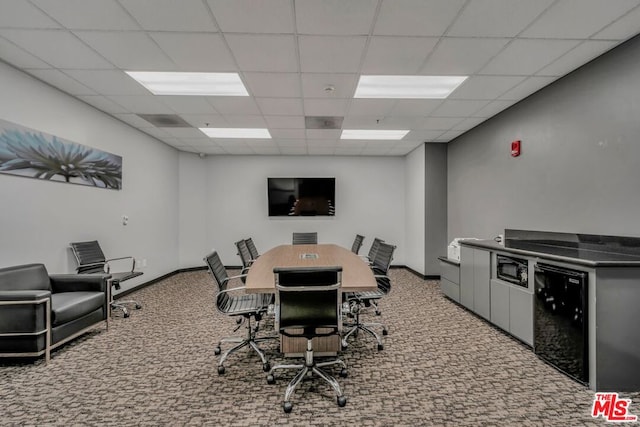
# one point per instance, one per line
(314, 85)
(335, 16)
(416, 17)
(69, 52)
(323, 134)
(212, 150)
(187, 104)
(293, 151)
(400, 122)
(155, 132)
(88, 14)
(577, 18)
(287, 133)
(18, 57)
(129, 51)
(347, 151)
(362, 122)
(469, 123)
(273, 85)
(22, 14)
(397, 55)
(527, 87)
(185, 132)
(291, 142)
(205, 120)
(253, 16)
(170, 15)
(576, 57)
(108, 82)
(352, 143)
(245, 121)
(325, 107)
(329, 54)
(264, 52)
(438, 123)
(280, 106)
(527, 56)
(103, 103)
(448, 136)
(422, 135)
(266, 150)
(497, 18)
(239, 150)
(321, 151)
(62, 81)
(415, 107)
(134, 120)
(457, 108)
(284, 122)
(234, 105)
(371, 107)
(623, 28)
(206, 52)
(141, 104)
(485, 87)
(462, 56)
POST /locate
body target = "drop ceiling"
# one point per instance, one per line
(303, 58)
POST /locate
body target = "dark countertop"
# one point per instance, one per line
(572, 255)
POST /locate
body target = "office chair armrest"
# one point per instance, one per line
(239, 288)
(239, 276)
(133, 261)
(381, 276)
(93, 264)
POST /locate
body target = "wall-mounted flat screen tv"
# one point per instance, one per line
(301, 196)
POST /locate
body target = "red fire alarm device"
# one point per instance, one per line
(515, 148)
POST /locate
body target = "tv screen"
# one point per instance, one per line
(301, 196)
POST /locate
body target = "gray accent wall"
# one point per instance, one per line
(578, 171)
(435, 212)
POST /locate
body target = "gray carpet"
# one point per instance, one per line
(441, 366)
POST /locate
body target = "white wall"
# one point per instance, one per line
(369, 201)
(414, 224)
(39, 218)
(578, 171)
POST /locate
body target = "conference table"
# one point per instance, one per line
(356, 277)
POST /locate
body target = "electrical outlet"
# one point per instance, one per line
(125, 219)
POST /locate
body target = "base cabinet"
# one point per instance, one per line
(512, 310)
(450, 279)
(475, 276)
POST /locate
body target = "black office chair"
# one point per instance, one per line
(252, 249)
(243, 306)
(372, 250)
(357, 244)
(308, 300)
(245, 255)
(305, 238)
(360, 300)
(91, 259)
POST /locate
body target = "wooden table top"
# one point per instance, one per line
(356, 274)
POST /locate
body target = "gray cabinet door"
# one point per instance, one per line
(521, 314)
(450, 289)
(500, 304)
(466, 276)
(482, 283)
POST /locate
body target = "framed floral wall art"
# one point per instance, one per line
(34, 154)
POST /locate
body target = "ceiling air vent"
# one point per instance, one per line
(321, 122)
(165, 120)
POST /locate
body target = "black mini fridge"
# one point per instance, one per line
(560, 319)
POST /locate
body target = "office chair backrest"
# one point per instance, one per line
(217, 270)
(384, 256)
(245, 255)
(374, 248)
(252, 248)
(357, 244)
(89, 256)
(305, 238)
(308, 298)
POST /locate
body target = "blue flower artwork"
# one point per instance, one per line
(30, 153)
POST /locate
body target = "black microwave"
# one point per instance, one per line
(513, 270)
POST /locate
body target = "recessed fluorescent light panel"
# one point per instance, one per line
(202, 84)
(373, 134)
(407, 87)
(236, 133)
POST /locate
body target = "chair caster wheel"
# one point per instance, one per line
(380, 347)
(126, 315)
(266, 367)
(217, 351)
(385, 332)
(287, 407)
(138, 306)
(271, 379)
(220, 370)
(378, 313)
(342, 401)
(344, 345)
(344, 373)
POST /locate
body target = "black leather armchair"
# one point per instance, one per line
(39, 312)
